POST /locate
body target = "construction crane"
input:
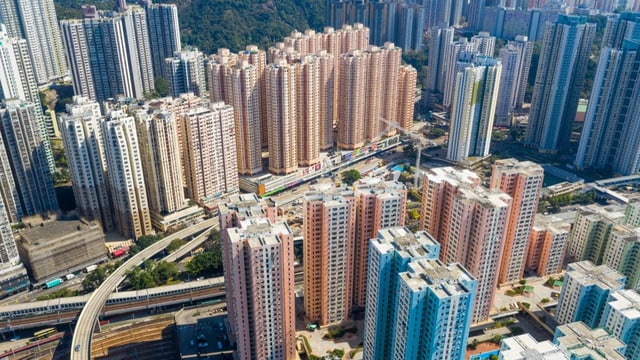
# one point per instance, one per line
(419, 141)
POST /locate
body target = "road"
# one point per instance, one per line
(188, 247)
(81, 344)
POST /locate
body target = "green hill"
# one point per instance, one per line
(211, 24)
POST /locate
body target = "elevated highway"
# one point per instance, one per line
(82, 335)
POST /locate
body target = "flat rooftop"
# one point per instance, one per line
(202, 332)
(525, 347)
(583, 342)
(444, 280)
(46, 232)
(419, 244)
(588, 274)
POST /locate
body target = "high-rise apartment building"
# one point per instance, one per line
(8, 188)
(184, 72)
(258, 58)
(470, 223)
(632, 213)
(523, 182)
(351, 104)
(589, 235)
(18, 81)
(561, 69)
(260, 267)
(579, 341)
(26, 150)
(547, 245)
(237, 82)
(36, 22)
(622, 318)
(621, 253)
(116, 44)
(390, 253)
(441, 38)
(328, 97)
(282, 117)
(516, 61)
(473, 108)
(329, 229)
(209, 148)
(84, 148)
(161, 162)
(126, 175)
(609, 136)
(406, 99)
(13, 275)
(475, 14)
(585, 291)
(164, 34)
(238, 208)
(485, 43)
(457, 56)
(307, 88)
(379, 204)
(433, 311)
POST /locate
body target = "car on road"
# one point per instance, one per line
(77, 348)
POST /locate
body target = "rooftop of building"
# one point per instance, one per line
(612, 212)
(626, 302)
(554, 222)
(525, 347)
(578, 340)
(259, 232)
(513, 165)
(444, 280)
(40, 232)
(588, 274)
(408, 244)
(328, 193)
(245, 205)
(486, 198)
(454, 176)
(378, 186)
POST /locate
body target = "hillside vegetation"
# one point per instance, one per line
(211, 24)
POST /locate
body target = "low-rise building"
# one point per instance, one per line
(54, 248)
(581, 342)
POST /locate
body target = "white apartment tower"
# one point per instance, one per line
(164, 34)
(473, 108)
(516, 61)
(117, 46)
(26, 150)
(184, 72)
(126, 176)
(36, 22)
(84, 148)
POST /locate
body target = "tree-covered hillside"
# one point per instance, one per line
(211, 24)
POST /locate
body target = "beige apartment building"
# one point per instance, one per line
(282, 117)
(308, 110)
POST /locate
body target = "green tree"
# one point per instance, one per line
(143, 242)
(162, 87)
(175, 245)
(140, 279)
(94, 279)
(162, 272)
(350, 176)
(207, 263)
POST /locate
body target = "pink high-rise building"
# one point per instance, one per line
(308, 110)
(406, 96)
(470, 223)
(547, 245)
(380, 204)
(523, 182)
(260, 269)
(329, 218)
